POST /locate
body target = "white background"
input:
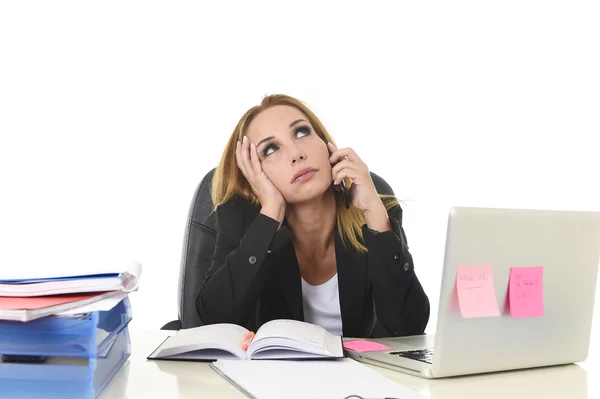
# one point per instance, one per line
(112, 112)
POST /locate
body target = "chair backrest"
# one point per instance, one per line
(198, 247)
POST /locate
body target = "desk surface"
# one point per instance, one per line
(141, 378)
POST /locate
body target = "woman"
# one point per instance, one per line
(288, 248)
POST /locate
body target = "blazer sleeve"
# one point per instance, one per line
(238, 269)
(401, 305)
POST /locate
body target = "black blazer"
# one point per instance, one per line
(254, 276)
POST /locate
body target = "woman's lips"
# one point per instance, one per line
(304, 174)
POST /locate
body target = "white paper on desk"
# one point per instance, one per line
(102, 305)
(301, 379)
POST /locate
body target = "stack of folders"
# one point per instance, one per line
(64, 336)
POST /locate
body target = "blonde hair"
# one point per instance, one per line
(228, 181)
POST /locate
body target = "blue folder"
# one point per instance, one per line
(80, 354)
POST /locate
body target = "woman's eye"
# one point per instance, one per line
(304, 130)
(269, 150)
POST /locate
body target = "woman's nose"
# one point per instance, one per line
(298, 154)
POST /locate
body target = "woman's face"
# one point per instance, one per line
(287, 145)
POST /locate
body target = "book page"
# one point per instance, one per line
(204, 354)
(287, 353)
(224, 336)
(293, 334)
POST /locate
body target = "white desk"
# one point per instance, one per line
(141, 378)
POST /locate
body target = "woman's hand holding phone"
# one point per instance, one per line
(271, 199)
(362, 192)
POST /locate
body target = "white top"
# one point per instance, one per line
(322, 305)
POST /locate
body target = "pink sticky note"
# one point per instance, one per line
(362, 345)
(526, 291)
(476, 293)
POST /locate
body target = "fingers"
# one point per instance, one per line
(244, 160)
(345, 172)
(345, 164)
(254, 160)
(238, 159)
(342, 153)
(248, 160)
(246, 157)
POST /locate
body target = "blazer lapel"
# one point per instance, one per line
(352, 283)
(288, 275)
(286, 270)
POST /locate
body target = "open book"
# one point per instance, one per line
(276, 339)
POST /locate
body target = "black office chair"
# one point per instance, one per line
(198, 247)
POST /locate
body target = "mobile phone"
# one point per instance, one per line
(342, 185)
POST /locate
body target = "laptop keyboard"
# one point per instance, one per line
(422, 355)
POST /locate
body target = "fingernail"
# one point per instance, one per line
(244, 140)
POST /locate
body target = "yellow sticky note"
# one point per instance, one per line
(476, 292)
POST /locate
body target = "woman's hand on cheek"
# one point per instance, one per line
(347, 164)
(271, 199)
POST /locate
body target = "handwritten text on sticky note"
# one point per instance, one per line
(526, 291)
(361, 345)
(476, 293)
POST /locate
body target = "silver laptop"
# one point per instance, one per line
(565, 243)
